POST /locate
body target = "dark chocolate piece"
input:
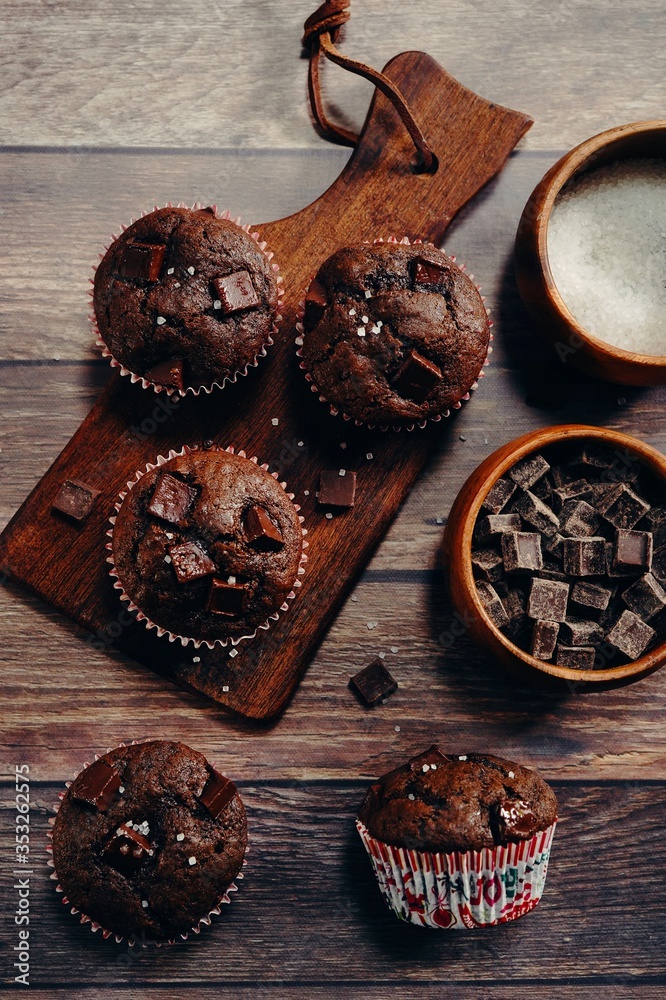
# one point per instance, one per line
(487, 564)
(496, 524)
(260, 531)
(337, 488)
(553, 546)
(97, 785)
(552, 573)
(316, 301)
(578, 657)
(526, 472)
(630, 635)
(646, 597)
(167, 373)
(591, 460)
(142, 260)
(580, 632)
(236, 292)
(499, 495)
(633, 551)
(429, 759)
(127, 850)
(589, 598)
(225, 598)
(578, 490)
(172, 499)
(514, 602)
(190, 562)
(416, 377)
(521, 550)
(514, 819)
(622, 507)
(543, 489)
(218, 793)
(491, 601)
(548, 600)
(428, 273)
(373, 683)
(536, 512)
(584, 556)
(544, 639)
(75, 499)
(659, 565)
(578, 519)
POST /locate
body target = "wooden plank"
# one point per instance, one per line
(225, 75)
(309, 911)
(472, 139)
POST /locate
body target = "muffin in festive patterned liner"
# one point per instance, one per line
(459, 842)
(393, 334)
(207, 546)
(147, 841)
(185, 300)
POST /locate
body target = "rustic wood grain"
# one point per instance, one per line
(308, 910)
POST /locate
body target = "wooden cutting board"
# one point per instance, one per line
(272, 413)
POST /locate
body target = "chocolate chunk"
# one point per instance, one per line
(167, 373)
(579, 632)
(616, 572)
(97, 785)
(535, 512)
(552, 573)
(548, 600)
(577, 657)
(578, 519)
(416, 377)
(526, 472)
(432, 757)
(499, 495)
(190, 562)
(492, 603)
(544, 639)
(316, 301)
(646, 597)
(518, 628)
(337, 489)
(659, 565)
(260, 531)
(127, 850)
(622, 507)
(543, 490)
(172, 499)
(521, 550)
(225, 598)
(75, 499)
(589, 598)
(427, 273)
(590, 460)
(632, 551)
(208, 210)
(142, 260)
(514, 602)
(487, 564)
(496, 524)
(630, 635)
(584, 556)
(236, 292)
(373, 683)
(514, 818)
(578, 490)
(218, 793)
(553, 546)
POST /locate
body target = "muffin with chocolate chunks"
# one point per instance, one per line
(148, 840)
(207, 545)
(185, 299)
(393, 334)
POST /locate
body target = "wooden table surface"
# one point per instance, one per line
(107, 109)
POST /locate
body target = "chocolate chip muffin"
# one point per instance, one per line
(208, 545)
(185, 299)
(393, 334)
(148, 840)
(445, 802)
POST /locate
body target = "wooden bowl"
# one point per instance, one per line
(535, 279)
(457, 562)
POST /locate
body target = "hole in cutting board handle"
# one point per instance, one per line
(416, 166)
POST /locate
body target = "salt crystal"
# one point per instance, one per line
(190, 270)
(329, 516)
(233, 653)
(369, 456)
(192, 860)
(397, 729)
(160, 321)
(225, 688)
(170, 270)
(275, 421)
(364, 319)
(180, 836)
(144, 903)
(394, 649)
(360, 331)
(217, 304)
(196, 659)
(343, 472)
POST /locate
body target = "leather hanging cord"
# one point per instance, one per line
(321, 31)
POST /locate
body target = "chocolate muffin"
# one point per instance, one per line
(445, 802)
(393, 334)
(185, 299)
(208, 545)
(148, 840)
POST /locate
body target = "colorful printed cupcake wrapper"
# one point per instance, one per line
(94, 926)
(463, 889)
(174, 636)
(191, 390)
(336, 411)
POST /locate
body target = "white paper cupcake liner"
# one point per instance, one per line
(94, 926)
(335, 411)
(191, 390)
(174, 636)
(463, 889)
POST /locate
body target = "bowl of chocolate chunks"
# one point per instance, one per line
(555, 557)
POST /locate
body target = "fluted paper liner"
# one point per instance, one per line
(463, 889)
(174, 636)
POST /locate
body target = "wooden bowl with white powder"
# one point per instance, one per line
(591, 255)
